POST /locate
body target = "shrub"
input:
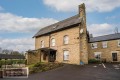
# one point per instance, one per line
(93, 61)
(41, 67)
(37, 64)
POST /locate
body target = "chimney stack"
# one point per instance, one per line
(82, 12)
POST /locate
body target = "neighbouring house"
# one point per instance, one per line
(106, 47)
(68, 41)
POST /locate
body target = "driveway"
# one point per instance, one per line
(107, 71)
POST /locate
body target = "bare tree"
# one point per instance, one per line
(116, 30)
(0, 50)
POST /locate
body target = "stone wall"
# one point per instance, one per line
(38, 40)
(33, 57)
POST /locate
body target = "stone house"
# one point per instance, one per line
(106, 47)
(68, 41)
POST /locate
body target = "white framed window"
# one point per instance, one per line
(97, 55)
(65, 39)
(93, 45)
(65, 55)
(104, 44)
(53, 42)
(42, 44)
(118, 42)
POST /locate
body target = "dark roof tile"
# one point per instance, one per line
(105, 37)
(59, 25)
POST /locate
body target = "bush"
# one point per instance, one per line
(93, 61)
(41, 67)
(37, 65)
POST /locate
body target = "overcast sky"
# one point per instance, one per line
(21, 19)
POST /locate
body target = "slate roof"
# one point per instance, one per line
(8, 56)
(67, 23)
(105, 38)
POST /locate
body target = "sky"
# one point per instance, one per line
(21, 19)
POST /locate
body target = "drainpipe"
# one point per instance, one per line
(49, 50)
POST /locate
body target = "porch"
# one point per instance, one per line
(48, 54)
(41, 55)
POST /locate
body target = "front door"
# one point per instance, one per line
(114, 56)
(52, 56)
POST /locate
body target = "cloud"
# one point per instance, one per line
(101, 29)
(91, 5)
(13, 23)
(22, 44)
(17, 24)
(112, 17)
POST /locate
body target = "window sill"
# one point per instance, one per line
(118, 46)
(66, 60)
(104, 48)
(93, 48)
(65, 44)
(52, 46)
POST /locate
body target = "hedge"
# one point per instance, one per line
(10, 62)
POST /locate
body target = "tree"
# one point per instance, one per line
(0, 50)
(116, 30)
(15, 53)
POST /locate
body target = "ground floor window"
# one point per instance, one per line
(65, 55)
(97, 55)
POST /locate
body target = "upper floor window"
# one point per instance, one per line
(65, 39)
(118, 42)
(52, 42)
(42, 44)
(65, 55)
(93, 45)
(104, 44)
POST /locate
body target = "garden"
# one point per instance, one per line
(41, 67)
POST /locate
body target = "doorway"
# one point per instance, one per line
(114, 56)
(52, 56)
